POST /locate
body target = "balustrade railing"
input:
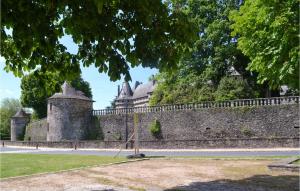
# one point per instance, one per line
(200, 105)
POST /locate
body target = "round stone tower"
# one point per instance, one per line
(68, 115)
(18, 124)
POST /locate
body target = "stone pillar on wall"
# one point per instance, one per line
(68, 115)
(18, 124)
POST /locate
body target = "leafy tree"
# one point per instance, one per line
(231, 88)
(175, 88)
(109, 33)
(8, 108)
(213, 56)
(37, 87)
(215, 50)
(269, 34)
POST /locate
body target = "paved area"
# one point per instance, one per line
(149, 152)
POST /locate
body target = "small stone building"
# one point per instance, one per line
(138, 97)
(18, 124)
(68, 115)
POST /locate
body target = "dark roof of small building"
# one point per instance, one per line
(21, 113)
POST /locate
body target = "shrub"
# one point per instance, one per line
(231, 88)
(155, 129)
(247, 132)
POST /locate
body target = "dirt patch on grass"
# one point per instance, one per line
(165, 174)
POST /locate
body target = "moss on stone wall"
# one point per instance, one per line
(135, 119)
(95, 131)
(247, 132)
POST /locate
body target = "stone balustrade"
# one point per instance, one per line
(200, 105)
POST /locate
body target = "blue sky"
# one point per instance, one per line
(103, 89)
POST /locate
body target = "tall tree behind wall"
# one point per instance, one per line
(213, 57)
(269, 35)
(38, 86)
(8, 108)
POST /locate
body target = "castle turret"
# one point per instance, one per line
(18, 124)
(124, 98)
(68, 115)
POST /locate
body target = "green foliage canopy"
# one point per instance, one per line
(109, 33)
(38, 86)
(213, 56)
(8, 108)
(231, 88)
(268, 33)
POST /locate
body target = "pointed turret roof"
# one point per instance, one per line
(126, 92)
(21, 113)
(67, 89)
(69, 92)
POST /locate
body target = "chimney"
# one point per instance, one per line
(118, 90)
(137, 83)
(153, 82)
(152, 78)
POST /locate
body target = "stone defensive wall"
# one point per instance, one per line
(220, 124)
(168, 144)
(251, 123)
(36, 130)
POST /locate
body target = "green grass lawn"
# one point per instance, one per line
(27, 164)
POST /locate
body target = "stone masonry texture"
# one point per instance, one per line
(68, 119)
(211, 123)
(36, 131)
(247, 127)
(18, 125)
(169, 144)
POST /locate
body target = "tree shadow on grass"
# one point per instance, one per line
(154, 157)
(254, 183)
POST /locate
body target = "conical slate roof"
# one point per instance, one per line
(69, 92)
(126, 91)
(21, 113)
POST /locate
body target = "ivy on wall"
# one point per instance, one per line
(155, 129)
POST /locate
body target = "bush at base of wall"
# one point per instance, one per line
(155, 129)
